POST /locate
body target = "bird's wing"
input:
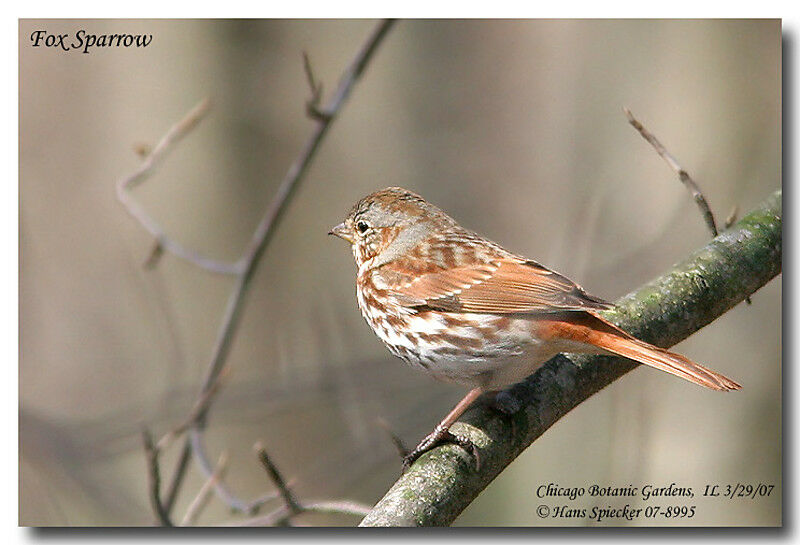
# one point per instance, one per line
(500, 286)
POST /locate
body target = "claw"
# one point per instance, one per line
(437, 438)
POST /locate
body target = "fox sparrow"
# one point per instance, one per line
(466, 310)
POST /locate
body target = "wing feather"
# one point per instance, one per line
(501, 286)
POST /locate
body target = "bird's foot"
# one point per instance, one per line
(436, 438)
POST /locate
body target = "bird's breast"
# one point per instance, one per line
(453, 346)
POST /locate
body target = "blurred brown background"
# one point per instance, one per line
(514, 127)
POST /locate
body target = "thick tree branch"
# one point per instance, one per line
(667, 310)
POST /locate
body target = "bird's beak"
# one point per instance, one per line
(341, 232)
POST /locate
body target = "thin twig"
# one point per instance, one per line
(690, 184)
(201, 500)
(155, 256)
(154, 474)
(398, 443)
(258, 503)
(684, 177)
(338, 508)
(732, 217)
(277, 479)
(200, 405)
(237, 505)
(145, 170)
(312, 104)
(180, 467)
(282, 515)
(142, 149)
(200, 457)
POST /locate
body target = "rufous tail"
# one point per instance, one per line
(593, 330)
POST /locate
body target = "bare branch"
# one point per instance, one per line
(338, 508)
(732, 216)
(282, 515)
(145, 170)
(402, 450)
(201, 500)
(258, 503)
(292, 505)
(236, 504)
(154, 474)
(180, 467)
(312, 104)
(200, 405)
(687, 180)
(142, 149)
(690, 184)
(155, 256)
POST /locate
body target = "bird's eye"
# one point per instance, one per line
(362, 226)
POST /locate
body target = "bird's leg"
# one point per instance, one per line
(441, 433)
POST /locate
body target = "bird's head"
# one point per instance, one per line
(389, 223)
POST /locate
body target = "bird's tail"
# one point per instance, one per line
(595, 331)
